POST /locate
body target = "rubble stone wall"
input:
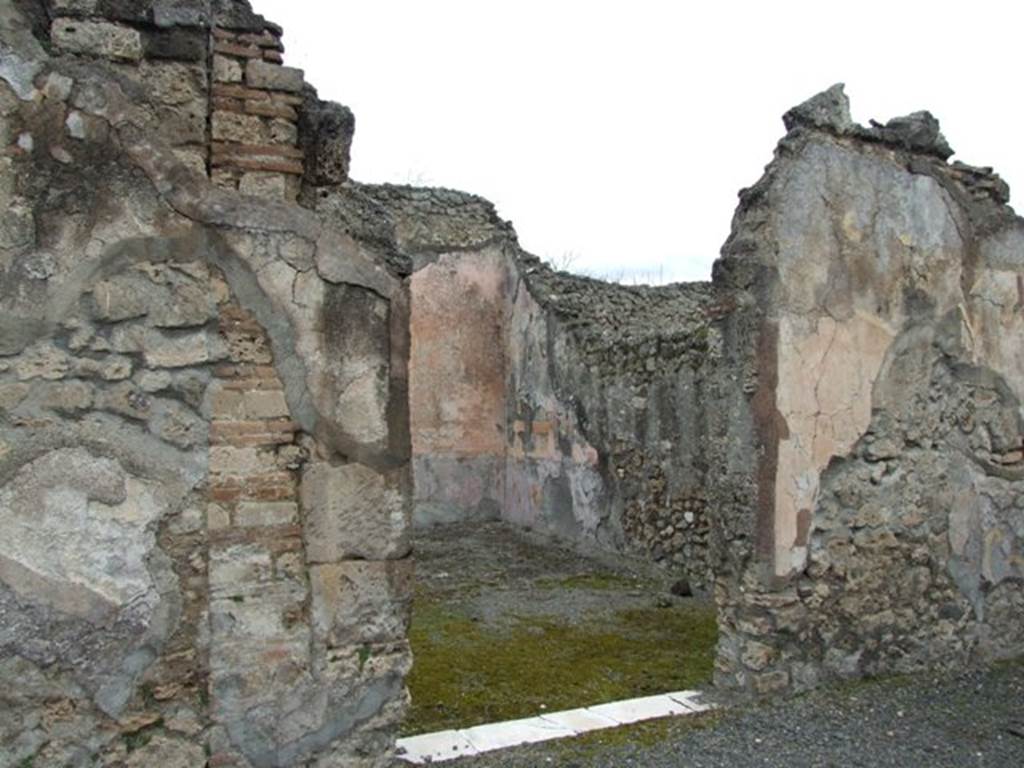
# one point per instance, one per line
(606, 432)
(878, 294)
(204, 447)
(560, 403)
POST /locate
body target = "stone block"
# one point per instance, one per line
(125, 399)
(226, 70)
(97, 38)
(173, 83)
(262, 184)
(239, 569)
(251, 514)
(354, 512)
(68, 396)
(232, 460)
(176, 44)
(182, 125)
(191, 305)
(327, 130)
(162, 350)
(42, 361)
(227, 403)
(231, 126)
(122, 298)
(361, 601)
(273, 77)
(181, 13)
(256, 615)
(283, 132)
(153, 381)
(108, 368)
(265, 404)
(12, 394)
(217, 518)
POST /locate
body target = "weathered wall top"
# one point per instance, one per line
(877, 288)
(626, 328)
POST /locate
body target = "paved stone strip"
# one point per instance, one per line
(448, 745)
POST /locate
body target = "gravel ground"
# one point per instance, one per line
(973, 719)
(495, 571)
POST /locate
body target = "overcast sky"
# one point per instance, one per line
(620, 132)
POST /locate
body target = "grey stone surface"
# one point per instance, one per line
(864, 554)
(142, 622)
(97, 38)
(361, 601)
(326, 131)
(273, 77)
(829, 109)
(354, 513)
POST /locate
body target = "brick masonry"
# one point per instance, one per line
(254, 113)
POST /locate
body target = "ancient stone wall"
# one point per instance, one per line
(204, 480)
(560, 403)
(877, 333)
(607, 439)
(205, 393)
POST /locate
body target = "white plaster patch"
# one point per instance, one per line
(826, 372)
(75, 519)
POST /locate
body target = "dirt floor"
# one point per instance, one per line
(509, 624)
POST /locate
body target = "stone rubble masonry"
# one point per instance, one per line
(873, 523)
(241, 122)
(165, 412)
(559, 402)
(165, 48)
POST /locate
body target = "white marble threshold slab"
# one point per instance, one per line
(447, 745)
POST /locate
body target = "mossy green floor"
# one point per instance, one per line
(466, 673)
